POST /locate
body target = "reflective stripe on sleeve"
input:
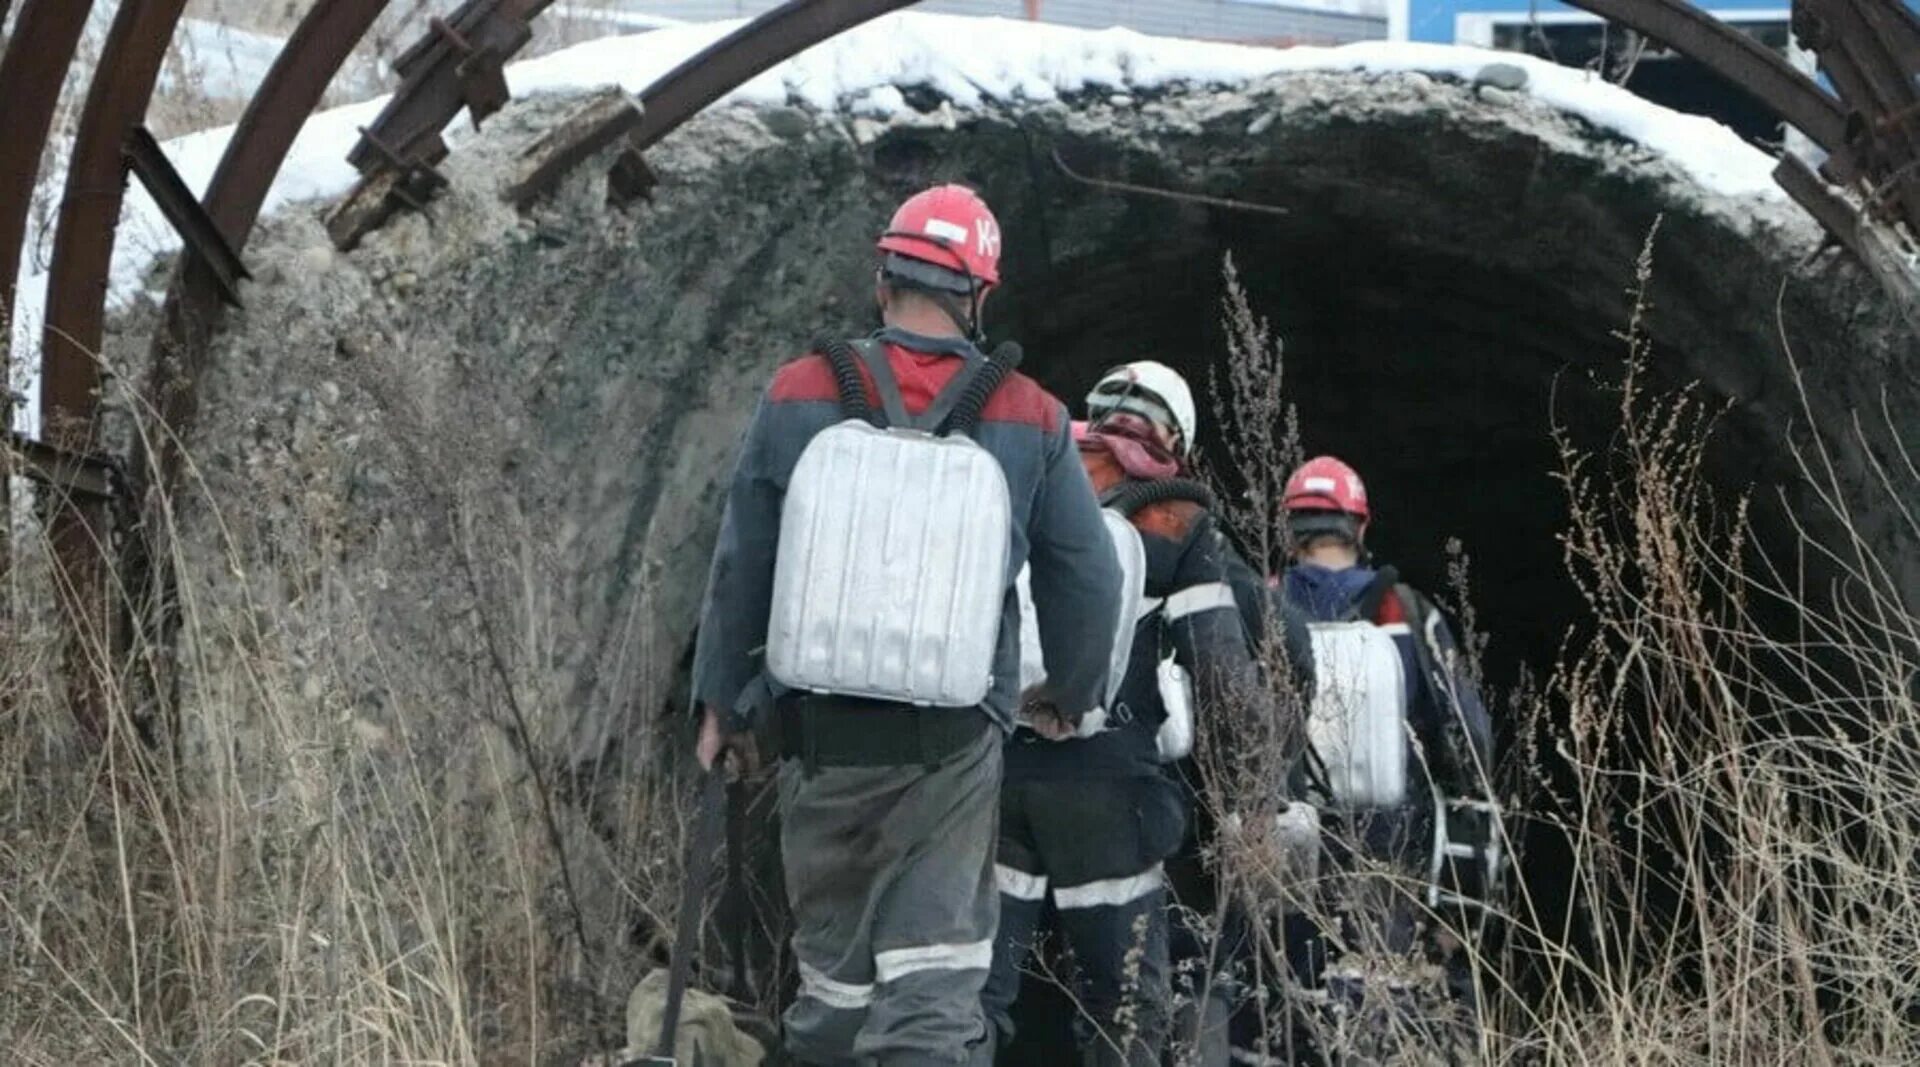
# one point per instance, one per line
(1208, 596)
(1110, 892)
(896, 963)
(1019, 884)
(846, 996)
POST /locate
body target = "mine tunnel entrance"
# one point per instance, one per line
(1434, 346)
(1438, 372)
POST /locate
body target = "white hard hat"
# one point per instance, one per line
(1151, 390)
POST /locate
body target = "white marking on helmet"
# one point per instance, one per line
(946, 231)
(989, 238)
(1319, 485)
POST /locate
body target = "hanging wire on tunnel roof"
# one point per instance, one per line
(1114, 185)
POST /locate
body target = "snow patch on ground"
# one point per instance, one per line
(976, 62)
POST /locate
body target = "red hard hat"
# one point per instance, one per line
(950, 227)
(1326, 484)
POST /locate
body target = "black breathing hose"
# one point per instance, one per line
(966, 414)
(846, 375)
(1136, 495)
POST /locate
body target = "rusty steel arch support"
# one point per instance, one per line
(1738, 58)
(44, 39)
(80, 528)
(728, 63)
(292, 89)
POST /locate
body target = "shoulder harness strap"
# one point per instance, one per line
(936, 417)
(1376, 593)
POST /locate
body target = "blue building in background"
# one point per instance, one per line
(1568, 35)
(1486, 22)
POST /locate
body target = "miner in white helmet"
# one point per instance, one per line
(1091, 817)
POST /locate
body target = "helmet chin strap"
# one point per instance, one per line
(965, 319)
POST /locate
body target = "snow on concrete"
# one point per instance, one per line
(976, 62)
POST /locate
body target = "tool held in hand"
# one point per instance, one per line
(699, 866)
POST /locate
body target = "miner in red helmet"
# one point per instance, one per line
(889, 781)
(1399, 750)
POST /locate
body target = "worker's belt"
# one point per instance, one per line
(835, 731)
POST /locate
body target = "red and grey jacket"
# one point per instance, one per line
(1056, 525)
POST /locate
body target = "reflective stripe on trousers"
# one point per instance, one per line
(1110, 892)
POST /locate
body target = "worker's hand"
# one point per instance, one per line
(1049, 723)
(741, 753)
(1044, 717)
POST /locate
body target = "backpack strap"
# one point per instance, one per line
(1433, 677)
(884, 383)
(1368, 608)
(874, 355)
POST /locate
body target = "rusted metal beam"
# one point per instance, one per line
(600, 122)
(79, 528)
(1819, 199)
(1873, 246)
(45, 37)
(1862, 47)
(91, 476)
(31, 73)
(293, 87)
(400, 182)
(90, 215)
(1743, 61)
(183, 210)
(458, 64)
(717, 69)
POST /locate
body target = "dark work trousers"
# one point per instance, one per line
(1097, 845)
(890, 873)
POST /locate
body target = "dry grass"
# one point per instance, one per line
(358, 844)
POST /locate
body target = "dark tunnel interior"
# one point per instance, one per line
(1438, 380)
